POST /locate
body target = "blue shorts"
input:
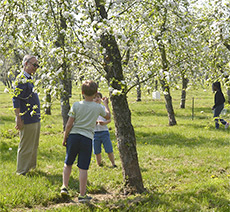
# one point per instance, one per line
(102, 137)
(78, 145)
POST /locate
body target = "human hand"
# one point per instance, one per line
(64, 142)
(19, 123)
(105, 100)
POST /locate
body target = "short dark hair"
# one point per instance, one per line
(216, 85)
(89, 87)
(99, 94)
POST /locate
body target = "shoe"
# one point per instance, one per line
(84, 198)
(64, 191)
(226, 125)
(114, 166)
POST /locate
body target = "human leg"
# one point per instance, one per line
(108, 146)
(97, 147)
(83, 165)
(83, 175)
(71, 154)
(27, 149)
(98, 159)
(66, 175)
(222, 121)
(111, 158)
(217, 112)
(36, 132)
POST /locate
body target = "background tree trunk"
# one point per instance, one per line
(66, 78)
(183, 92)
(228, 93)
(65, 94)
(138, 89)
(164, 83)
(48, 100)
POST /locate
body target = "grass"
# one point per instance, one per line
(184, 167)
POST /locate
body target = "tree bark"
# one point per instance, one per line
(65, 94)
(138, 89)
(127, 145)
(183, 92)
(228, 93)
(164, 84)
(48, 100)
(168, 101)
(122, 116)
(66, 78)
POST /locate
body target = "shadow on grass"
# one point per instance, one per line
(203, 199)
(199, 113)
(168, 139)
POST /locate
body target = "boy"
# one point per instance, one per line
(101, 136)
(78, 136)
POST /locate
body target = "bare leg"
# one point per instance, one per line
(66, 174)
(83, 174)
(98, 159)
(111, 158)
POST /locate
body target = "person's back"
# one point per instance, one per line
(85, 114)
(78, 136)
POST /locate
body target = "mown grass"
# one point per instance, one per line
(184, 167)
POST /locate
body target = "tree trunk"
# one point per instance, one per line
(164, 83)
(122, 116)
(183, 92)
(168, 101)
(127, 145)
(228, 93)
(65, 94)
(156, 85)
(65, 107)
(48, 107)
(138, 89)
(66, 78)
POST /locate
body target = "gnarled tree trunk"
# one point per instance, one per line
(121, 112)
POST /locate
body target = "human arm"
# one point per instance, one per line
(19, 123)
(100, 122)
(107, 110)
(68, 127)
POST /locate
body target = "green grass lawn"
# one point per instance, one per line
(184, 167)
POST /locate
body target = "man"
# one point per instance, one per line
(27, 110)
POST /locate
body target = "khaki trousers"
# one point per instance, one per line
(28, 146)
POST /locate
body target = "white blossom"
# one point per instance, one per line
(149, 73)
(6, 90)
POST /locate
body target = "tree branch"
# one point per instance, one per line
(145, 80)
(125, 10)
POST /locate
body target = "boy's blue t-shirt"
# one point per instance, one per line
(85, 115)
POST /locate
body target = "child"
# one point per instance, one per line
(101, 136)
(78, 136)
(219, 104)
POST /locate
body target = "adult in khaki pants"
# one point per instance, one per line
(27, 110)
